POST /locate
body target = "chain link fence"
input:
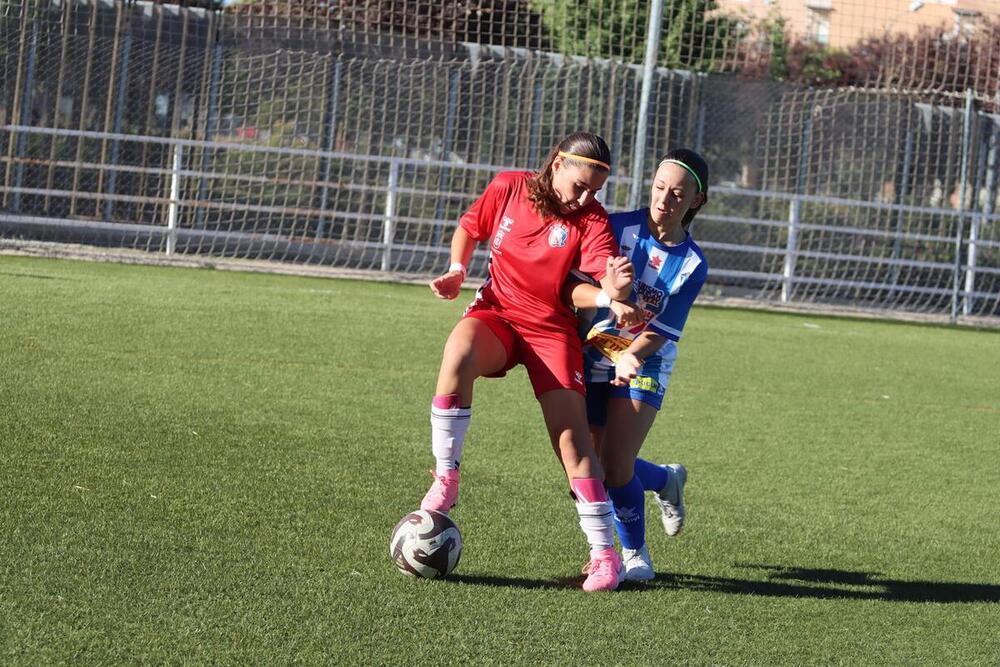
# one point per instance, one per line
(353, 135)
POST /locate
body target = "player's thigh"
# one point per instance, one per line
(474, 349)
(597, 412)
(629, 422)
(565, 414)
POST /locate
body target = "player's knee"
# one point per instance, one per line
(618, 471)
(460, 361)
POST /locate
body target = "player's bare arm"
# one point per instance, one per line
(627, 367)
(584, 295)
(618, 277)
(449, 284)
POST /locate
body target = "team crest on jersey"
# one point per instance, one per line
(558, 235)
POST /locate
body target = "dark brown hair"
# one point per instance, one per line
(584, 144)
(697, 164)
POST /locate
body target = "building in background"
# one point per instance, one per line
(842, 23)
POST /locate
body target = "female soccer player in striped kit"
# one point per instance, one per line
(628, 368)
(540, 226)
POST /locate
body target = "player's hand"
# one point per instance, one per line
(620, 271)
(627, 368)
(627, 314)
(449, 285)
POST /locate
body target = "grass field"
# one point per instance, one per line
(204, 467)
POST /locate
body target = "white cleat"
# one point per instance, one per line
(671, 499)
(638, 566)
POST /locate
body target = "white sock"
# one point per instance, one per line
(448, 427)
(597, 522)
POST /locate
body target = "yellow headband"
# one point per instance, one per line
(574, 156)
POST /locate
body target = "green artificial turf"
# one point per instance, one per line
(204, 467)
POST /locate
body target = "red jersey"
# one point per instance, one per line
(530, 257)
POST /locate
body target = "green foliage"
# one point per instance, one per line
(774, 27)
(203, 467)
(693, 35)
(696, 36)
(590, 28)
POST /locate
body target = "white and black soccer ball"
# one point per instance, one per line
(426, 544)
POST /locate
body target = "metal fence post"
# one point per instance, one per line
(211, 121)
(616, 142)
(990, 185)
(329, 140)
(26, 102)
(639, 149)
(963, 189)
(699, 132)
(901, 193)
(118, 120)
(791, 248)
(454, 87)
(175, 196)
(536, 121)
(389, 219)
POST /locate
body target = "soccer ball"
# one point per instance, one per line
(426, 544)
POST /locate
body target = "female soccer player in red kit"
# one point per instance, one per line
(540, 226)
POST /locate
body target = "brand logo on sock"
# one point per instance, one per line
(627, 514)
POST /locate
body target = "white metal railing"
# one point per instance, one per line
(389, 217)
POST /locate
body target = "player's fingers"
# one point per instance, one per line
(443, 288)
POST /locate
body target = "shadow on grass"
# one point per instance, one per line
(780, 581)
(510, 582)
(790, 581)
(21, 274)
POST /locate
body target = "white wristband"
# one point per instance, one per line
(457, 266)
(602, 300)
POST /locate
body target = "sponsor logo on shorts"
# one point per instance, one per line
(578, 377)
(644, 383)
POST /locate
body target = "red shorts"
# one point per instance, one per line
(553, 360)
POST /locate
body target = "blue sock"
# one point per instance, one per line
(630, 513)
(652, 476)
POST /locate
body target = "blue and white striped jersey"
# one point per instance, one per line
(667, 280)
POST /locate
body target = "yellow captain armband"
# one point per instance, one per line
(609, 345)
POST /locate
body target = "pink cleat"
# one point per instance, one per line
(604, 571)
(443, 492)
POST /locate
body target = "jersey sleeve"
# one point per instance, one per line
(670, 322)
(481, 217)
(596, 245)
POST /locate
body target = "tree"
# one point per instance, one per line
(694, 35)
